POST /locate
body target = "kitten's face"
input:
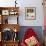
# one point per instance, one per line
(31, 41)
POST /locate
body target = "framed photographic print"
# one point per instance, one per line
(30, 13)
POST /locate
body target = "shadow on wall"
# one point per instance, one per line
(37, 29)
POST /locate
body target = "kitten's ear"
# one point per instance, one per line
(25, 40)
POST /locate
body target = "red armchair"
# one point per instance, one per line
(28, 35)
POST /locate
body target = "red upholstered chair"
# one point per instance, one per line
(29, 33)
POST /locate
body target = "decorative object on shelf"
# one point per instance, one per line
(5, 12)
(15, 3)
(15, 34)
(7, 34)
(15, 37)
(13, 12)
(30, 13)
(15, 30)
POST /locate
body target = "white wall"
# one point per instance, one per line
(27, 3)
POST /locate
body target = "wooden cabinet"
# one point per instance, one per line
(9, 23)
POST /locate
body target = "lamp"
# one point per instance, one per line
(15, 3)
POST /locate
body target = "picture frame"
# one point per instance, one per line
(30, 13)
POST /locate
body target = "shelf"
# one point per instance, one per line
(9, 10)
(10, 26)
(10, 19)
(11, 41)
